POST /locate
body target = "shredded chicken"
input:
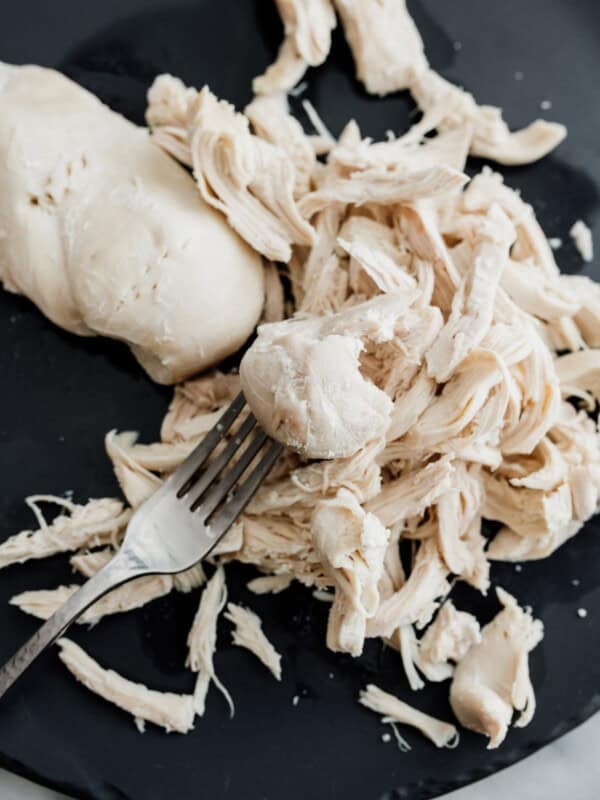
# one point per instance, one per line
(307, 27)
(248, 633)
(492, 679)
(450, 636)
(202, 640)
(392, 709)
(98, 522)
(351, 544)
(173, 712)
(424, 375)
(386, 45)
(246, 177)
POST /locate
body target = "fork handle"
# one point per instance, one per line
(113, 574)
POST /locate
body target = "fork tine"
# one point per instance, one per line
(234, 507)
(185, 473)
(219, 491)
(198, 488)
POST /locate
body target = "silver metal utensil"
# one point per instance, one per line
(176, 527)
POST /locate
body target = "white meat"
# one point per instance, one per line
(108, 236)
(248, 633)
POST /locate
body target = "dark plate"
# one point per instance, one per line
(60, 394)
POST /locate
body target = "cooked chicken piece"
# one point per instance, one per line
(405, 641)
(450, 636)
(385, 43)
(274, 308)
(108, 236)
(492, 679)
(417, 600)
(540, 400)
(269, 584)
(488, 188)
(284, 73)
(473, 304)
(303, 382)
(96, 523)
(247, 178)
(449, 148)
(535, 293)
(447, 106)
(582, 236)
(529, 512)
(459, 528)
(409, 405)
(202, 641)
(42, 603)
(580, 371)
(271, 120)
(89, 562)
(305, 485)
(456, 413)
(392, 365)
(197, 405)
(412, 493)
(545, 470)
(307, 26)
(248, 633)
(328, 291)
(374, 252)
(392, 709)
(508, 545)
(173, 712)
(420, 224)
(351, 545)
(587, 318)
(381, 186)
(136, 482)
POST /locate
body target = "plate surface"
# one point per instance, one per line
(60, 394)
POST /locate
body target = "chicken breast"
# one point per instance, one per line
(107, 235)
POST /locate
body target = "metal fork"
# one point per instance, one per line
(175, 528)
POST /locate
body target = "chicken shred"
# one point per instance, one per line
(98, 522)
(392, 709)
(351, 544)
(307, 27)
(248, 633)
(202, 640)
(173, 712)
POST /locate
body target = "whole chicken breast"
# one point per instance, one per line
(108, 235)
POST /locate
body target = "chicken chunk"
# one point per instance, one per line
(351, 545)
(303, 381)
(492, 680)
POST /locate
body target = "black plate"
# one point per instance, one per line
(60, 394)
